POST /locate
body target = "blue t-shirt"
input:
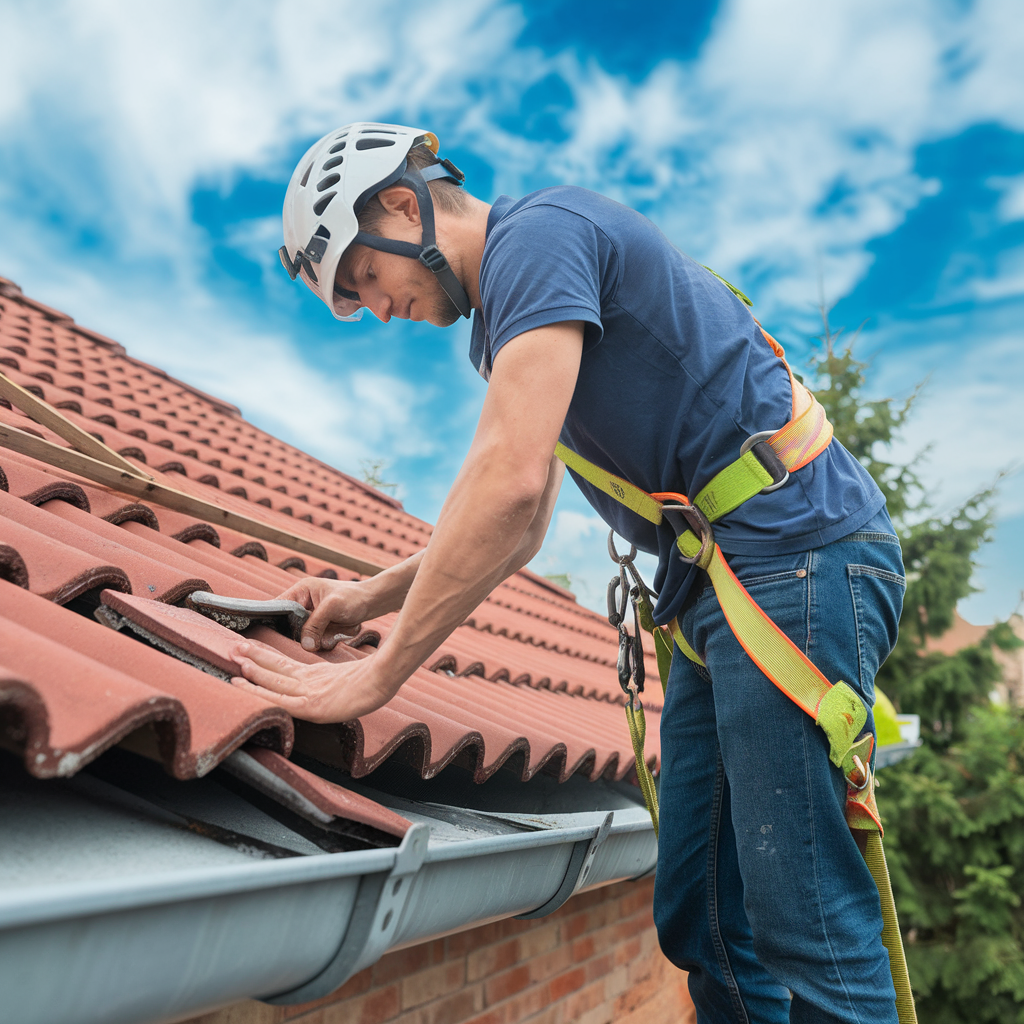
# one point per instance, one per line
(675, 375)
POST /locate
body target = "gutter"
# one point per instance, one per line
(166, 945)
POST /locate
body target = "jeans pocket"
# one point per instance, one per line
(877, 602)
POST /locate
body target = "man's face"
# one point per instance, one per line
(390, 285)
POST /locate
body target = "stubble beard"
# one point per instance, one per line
(443, 311)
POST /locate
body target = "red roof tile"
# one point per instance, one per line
(529, 682)
(77, 687)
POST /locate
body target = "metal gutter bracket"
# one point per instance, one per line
(581, 860)
(375, 916)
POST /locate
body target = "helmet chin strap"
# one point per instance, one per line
(427, 252)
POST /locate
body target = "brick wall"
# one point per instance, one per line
(594, 961)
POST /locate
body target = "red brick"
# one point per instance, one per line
(552, 1015)
(599, 967)
(552, 963)
(669, 1003)
(540, 939)
(453, 1009)
(512, 926)
(563, 984)
(490, 1017)
(582, 949)
(636, 994)
(247, 1012)
(634, 901)
(465, 942)
(627, 929)
(492, 959)
(598, 1015)
(373, 1008)
(628, 950)
(401, 964)
(534, 1000)
(432, 983)
(640, 970)
(585, 999)
(575, 926)
(508, 984)
(649, 943)
(616, 982)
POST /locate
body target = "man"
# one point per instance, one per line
(592, 329)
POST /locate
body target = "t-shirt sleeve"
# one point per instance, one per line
(543, 265)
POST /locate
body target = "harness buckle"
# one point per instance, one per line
(690, 517)
(765, 454)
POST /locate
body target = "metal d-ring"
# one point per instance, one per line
(697, 522)
(757, 438)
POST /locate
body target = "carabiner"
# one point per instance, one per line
(614, 554)
(639, 670)
(617, 600)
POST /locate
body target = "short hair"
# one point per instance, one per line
(445, 194)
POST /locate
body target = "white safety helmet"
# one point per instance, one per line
(333, 182)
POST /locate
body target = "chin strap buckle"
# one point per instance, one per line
(433, 259)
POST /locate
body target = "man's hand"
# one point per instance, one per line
(337, 608)
(321, 692)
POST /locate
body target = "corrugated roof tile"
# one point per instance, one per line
(528, 684)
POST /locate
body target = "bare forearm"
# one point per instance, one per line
(483, 535)
(386, 591)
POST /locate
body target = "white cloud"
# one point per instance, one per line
(124, 109)
(776, 155)
(1011, 202)
(970, 413)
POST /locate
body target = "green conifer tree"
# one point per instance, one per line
(954, 811)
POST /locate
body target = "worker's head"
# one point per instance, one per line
(359, 224)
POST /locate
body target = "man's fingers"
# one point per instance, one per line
(322, 631)
(300, 593)
(267, 657)
(269, 669)
(293, 705)
(270, 679)
(313, 629)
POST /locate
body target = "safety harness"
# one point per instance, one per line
(766, 459)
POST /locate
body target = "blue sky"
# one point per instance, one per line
(872, 149)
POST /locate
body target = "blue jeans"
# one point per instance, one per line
(761, 893)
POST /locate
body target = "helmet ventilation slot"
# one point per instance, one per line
(321, 204)
(333, 162)
(374, 143)
(338, 148)
(305, 177)
(326, 183)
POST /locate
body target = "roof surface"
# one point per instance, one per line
(528, 683)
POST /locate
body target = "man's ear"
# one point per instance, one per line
(399, 201)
